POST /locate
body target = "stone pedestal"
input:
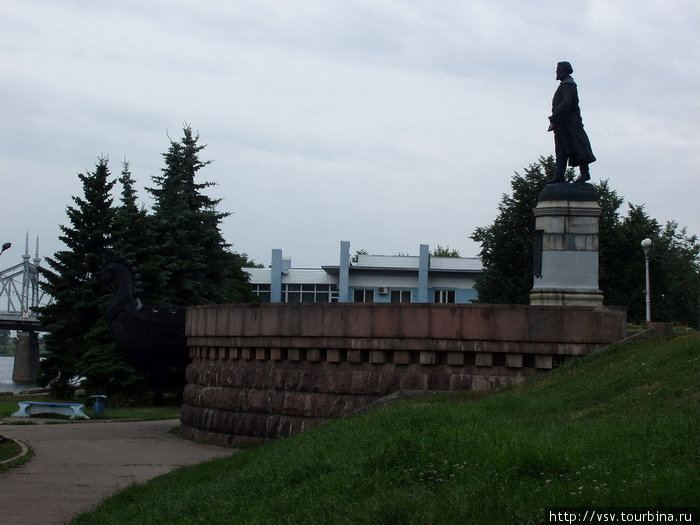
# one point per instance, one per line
(566, 247)
(26, 367)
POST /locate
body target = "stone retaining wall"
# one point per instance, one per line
(269, 370)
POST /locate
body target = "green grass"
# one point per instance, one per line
(9, 405)
(619, 428)
(9, 449)
(146, 413)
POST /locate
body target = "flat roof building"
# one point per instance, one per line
(369, 278)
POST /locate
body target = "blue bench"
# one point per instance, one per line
(30, 408)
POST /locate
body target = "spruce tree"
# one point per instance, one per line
(195, 259)
(134, 237)
(78, 344)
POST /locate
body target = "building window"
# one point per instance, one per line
(444, 296)
(262, 291)
(401, 296)
(309, 293)
(363, 296)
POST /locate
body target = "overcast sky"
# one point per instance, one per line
(385, 123)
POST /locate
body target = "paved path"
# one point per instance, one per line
(76, 465)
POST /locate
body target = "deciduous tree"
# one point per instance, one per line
(506, 252)
(506, 245)
(444, 251)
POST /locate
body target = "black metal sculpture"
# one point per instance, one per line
(151, 339)
(571, 143)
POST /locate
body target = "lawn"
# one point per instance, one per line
(8, 449)
(9, 405)
(616, 429)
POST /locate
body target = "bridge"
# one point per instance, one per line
(20, 296)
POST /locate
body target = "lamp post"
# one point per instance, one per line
(646, 244)
(5, 246)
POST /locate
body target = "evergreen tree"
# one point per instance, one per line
(179, 251)
(78, 344)
(135, 239)
(196, 261)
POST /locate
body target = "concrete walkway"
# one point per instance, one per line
(76, 465)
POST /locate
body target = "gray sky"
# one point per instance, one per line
(385, 123)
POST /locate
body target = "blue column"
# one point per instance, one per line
(423, 262)
(344, 273)
(276, 277)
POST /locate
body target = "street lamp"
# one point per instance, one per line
(646, 244)
(5, 246)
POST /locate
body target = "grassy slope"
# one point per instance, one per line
(616, 429)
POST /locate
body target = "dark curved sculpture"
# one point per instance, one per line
(151, 338)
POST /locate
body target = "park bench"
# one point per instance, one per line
(30, 408)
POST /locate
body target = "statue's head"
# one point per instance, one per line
(564, 69)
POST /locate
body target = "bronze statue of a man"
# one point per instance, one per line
(571, 144)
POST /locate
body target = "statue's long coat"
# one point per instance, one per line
(570, 139)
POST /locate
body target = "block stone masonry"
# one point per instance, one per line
(269, 370)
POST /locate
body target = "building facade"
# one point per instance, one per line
(369, 278)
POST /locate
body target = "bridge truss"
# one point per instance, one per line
(21, 293)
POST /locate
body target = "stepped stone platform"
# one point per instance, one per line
(266, 371)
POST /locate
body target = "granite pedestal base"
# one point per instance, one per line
(560, 297)
(566, 225)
